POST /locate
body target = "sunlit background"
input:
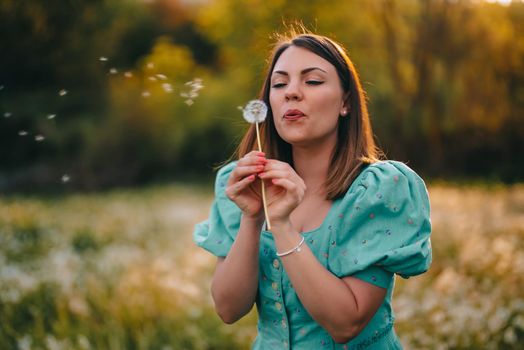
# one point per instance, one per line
(114, 113)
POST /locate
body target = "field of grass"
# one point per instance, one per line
(118, 270)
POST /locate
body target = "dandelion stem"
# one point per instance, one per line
(262, 182)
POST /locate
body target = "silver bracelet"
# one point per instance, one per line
(296, 249)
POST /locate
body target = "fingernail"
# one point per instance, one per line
(251, 177)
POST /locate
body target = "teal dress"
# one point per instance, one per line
(379, 228)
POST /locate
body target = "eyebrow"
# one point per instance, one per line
(304, 71)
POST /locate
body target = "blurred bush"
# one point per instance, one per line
(445, 81)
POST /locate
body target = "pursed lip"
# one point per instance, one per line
(293, 114)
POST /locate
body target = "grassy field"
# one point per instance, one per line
(118, 270)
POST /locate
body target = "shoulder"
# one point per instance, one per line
(389, 176)
(386, 182)
(390, 170)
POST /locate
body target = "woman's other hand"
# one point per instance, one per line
(285, 189)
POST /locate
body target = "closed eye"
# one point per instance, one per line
(314, 82)
(278, 85)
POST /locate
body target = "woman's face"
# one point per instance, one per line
(306, 98)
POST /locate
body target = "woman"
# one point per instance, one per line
(342, 222)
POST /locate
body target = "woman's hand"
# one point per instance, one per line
(284, 190)
(243, 186)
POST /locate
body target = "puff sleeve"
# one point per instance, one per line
(217, 233)
(386, 227)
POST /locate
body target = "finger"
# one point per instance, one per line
(242, 171)
(234, 189)
(289, 186)
(274, 174)
(252, 159)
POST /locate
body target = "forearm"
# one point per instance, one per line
(327, 298)
(235, 281)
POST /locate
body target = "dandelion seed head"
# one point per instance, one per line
(51, 116)
(128, 74)
(62, 92)
(103, 59)
(255, 111)
(113, 71)
(22, 133)
(39, 138)
(146, 94)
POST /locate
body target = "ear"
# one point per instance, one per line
(345, 106)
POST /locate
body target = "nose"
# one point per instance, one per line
(293, 91)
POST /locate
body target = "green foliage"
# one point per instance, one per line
(444, 78)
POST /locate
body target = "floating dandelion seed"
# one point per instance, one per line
(167, 87)
(189, 102)
(152, 78)
(62, 92)
(103, 59)
(255, 112)
(39, 138)
(51, 116)
(150, 65)
(1, 87)
(65, 178)
(161, 76)
(7, 114)
(113, 71)
(240, 108)
(128, 74)
(146, 94)
(22, 133)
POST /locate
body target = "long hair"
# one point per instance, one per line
(355, 146)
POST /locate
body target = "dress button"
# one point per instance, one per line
(276, 263)
(274, 285)
(278, 306)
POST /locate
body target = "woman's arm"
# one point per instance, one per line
(342, 306)
(235, 281)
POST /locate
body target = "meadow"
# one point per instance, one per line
(118, 270)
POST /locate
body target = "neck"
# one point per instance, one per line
(312, 165)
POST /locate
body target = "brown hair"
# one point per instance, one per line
(355, 144)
